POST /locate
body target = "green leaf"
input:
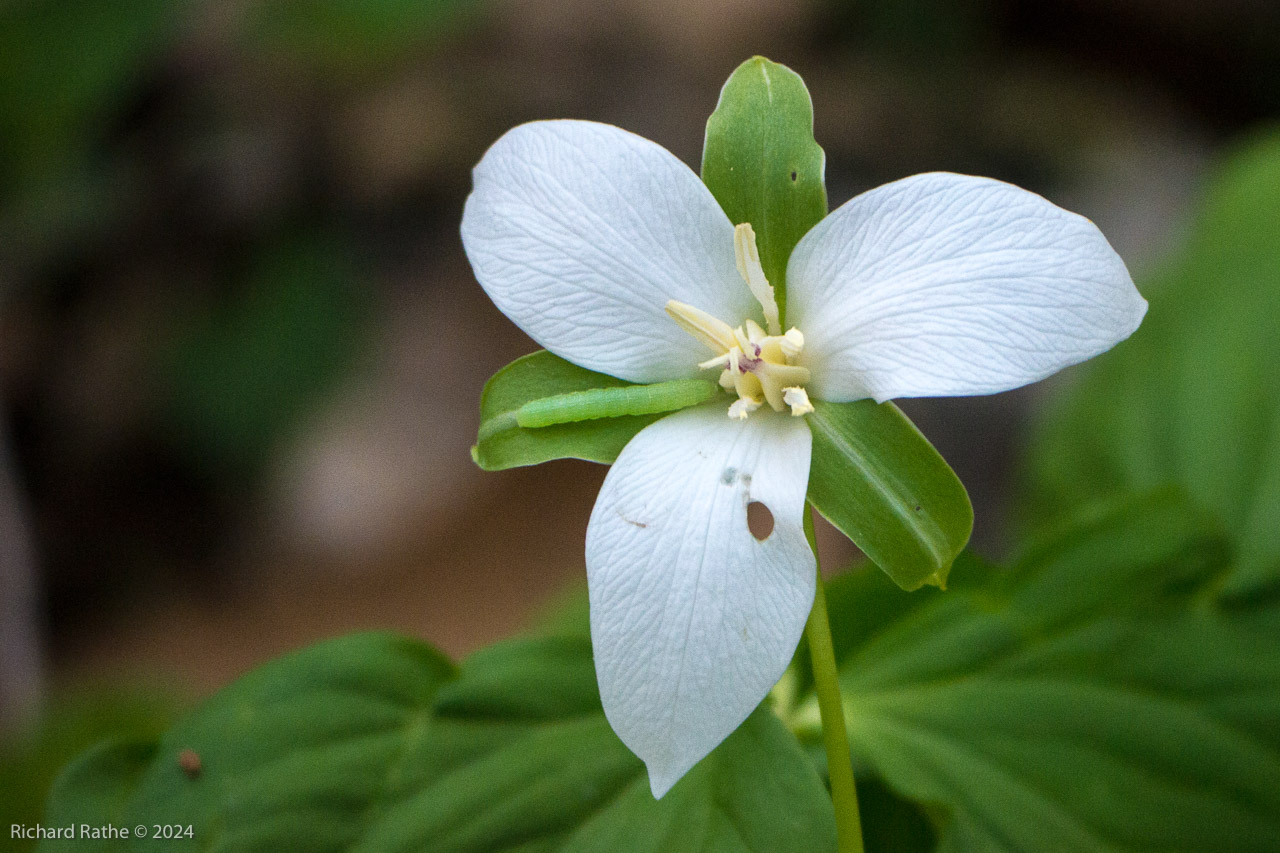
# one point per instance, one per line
(1092, 698)
(377, 743)
(762, 164)
(877, 479)
(503, 443)
(1193, 398)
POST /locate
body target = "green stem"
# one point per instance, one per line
(826, 684)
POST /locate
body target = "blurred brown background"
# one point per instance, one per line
(241, 350)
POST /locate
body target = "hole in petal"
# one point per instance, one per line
(759, 520)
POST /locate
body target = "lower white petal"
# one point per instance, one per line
(693, 619)
(950, 285)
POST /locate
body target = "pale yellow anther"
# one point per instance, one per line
(792, 342)
(715, 333)
(748, 255)
(718, 361)
(798, 400)
(742, 407)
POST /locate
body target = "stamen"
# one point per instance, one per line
(775, 378)
(744, 247)
(742, 407)
(773, 395)
(711, 331)
(792, 342)
(798, 400)
(755, 364)
(718, 361)
(787, 375)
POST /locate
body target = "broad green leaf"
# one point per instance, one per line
(376, 744)
(762, 164)
(1092, 698)
(877, 479)
(503, 443)
(1194, 397)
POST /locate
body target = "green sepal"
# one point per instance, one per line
(878, 480)
(762, 164)
(503, 443)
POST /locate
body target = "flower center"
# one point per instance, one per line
(755, 363)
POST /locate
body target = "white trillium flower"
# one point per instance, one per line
(611, 253)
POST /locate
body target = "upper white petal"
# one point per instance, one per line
(950, 285)
(581, 232)
(693, 619)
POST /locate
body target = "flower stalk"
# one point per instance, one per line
(835, 739)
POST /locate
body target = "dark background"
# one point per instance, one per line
(241, 350)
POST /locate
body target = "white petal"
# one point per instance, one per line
(951, 285)
(693, 619)
(581, 233)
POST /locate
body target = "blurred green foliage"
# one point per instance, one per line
(344, 36)
(67, 68)
(1193, 398)
(30, 758)
(278, 337)
(245, 374)
(937, 28)
(68, 71)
